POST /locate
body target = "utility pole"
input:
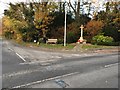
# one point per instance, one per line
(65, 26)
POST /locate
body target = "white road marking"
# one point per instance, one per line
(10, 49)
(56, 57)
(76, 54)
(37, 82)
(111, 65)
(21, 57)
(43, 64)
(40, 62)
(21, 73)
(45, 61)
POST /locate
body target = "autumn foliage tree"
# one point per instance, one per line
(111, 20)
(29, 20)
(36, 20)
(18, 18)
(11, 28)
(43, 16)
(93, 28)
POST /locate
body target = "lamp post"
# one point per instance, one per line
(65, 27)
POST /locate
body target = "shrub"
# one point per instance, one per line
(102, 40)
(8, 35)
(71, 37)
(60, 41)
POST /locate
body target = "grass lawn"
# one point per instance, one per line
(90, 46)
(57, 46)
(67, 47)
(49, 46)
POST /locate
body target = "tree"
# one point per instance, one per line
(22, 20)
(76, 10)
(43, 16)
(14, 8)
(112, 20)
(7, 27)
(0, 26)
(11, 28)
(93, 28)
(37, 16)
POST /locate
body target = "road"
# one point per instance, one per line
(19, 71)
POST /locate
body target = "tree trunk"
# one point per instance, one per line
(77, 15)
(77, 12)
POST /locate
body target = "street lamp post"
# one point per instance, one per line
(65, 27)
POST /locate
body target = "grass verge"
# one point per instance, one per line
(90, 46)
(48, 46)
(67, 47)
(57, 46)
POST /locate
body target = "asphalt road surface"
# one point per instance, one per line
(17, 73)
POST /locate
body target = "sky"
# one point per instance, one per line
(4, 3)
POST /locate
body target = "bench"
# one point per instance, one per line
(51, 41)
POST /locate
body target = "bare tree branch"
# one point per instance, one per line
(69, 3)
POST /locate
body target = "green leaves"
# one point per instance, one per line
(46, 19)
(43, 17)
(102, 40)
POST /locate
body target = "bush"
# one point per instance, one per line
(8, 35)
(60, 41)
(102, 40)
(71, 37)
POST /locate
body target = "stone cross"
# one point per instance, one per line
(81, 37)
